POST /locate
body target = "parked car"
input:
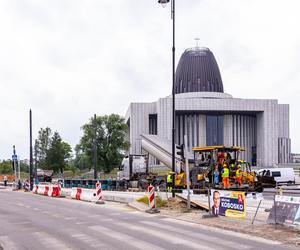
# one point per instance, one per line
(281, 175)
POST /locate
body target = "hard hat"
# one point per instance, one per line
(171, 172)
(239, 166)
(224, 165)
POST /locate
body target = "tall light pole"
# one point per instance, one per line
(95, 146)
(30, 151)
(163, 3)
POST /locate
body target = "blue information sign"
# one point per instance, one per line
(14, 157)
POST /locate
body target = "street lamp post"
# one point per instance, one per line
(30, 151)
(163, 3)
(95, 147)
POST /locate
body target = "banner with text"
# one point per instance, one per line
(228, 203)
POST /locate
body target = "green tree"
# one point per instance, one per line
(110, 140)
(41, 146)
(57, 154)
(81, 161)
(6, 167)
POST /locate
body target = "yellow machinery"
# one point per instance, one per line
(248, 176)
(212, 158)
(180, 180)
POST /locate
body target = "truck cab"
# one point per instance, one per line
(132, 165)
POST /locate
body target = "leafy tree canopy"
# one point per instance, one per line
(110, 140)
(51, 152)
(6, 167)
(58, 154)
(41, 146)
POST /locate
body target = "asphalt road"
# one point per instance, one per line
(29, 221)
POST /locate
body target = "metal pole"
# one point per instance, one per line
(208, 197)
(256, 212)
(187, 173)
(30, 157)
(173, 96)
(19, 169)
(95, 147)
(14, 161)
(35, 161)
(275, 209)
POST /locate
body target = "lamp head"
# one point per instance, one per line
(163, 2)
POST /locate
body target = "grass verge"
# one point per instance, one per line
(159, 201)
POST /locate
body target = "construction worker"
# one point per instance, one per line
(238, 179)
(216, 175)
(232, 166)
(169, 181)
(5, 181)
(225, 176)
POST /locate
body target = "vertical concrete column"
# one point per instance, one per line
(228, 137)
(202, 130)
(164, 118)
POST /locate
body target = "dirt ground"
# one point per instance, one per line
(177, 209)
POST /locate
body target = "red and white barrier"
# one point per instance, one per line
(47, 190)
(152, 204)
(99, 197)
(35, 189)
(84, 194)
(151, 197)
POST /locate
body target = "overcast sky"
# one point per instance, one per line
(70, 59)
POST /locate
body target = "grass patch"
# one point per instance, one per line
(159, 201)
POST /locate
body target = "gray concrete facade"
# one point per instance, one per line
(260, 126)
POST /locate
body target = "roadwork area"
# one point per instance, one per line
(37, 222)
(177, 209)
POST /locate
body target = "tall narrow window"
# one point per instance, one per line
(153, 124)
(214, 130)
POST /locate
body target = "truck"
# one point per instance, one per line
(281, 175)
(134, 173)
(44, 175)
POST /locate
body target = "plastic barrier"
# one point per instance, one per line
(151, 197)
(47, 190)
(152, 202)
(41, 189)
(55, 191)
(85, 194)
(35, 189)
(99, 197)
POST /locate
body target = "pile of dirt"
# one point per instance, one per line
(176, 204)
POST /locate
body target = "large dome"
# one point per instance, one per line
(198, 71)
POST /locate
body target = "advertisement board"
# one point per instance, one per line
(285, 211)
(228, 203)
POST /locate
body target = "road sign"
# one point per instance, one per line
(14, 157)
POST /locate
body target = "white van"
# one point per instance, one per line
(281, 175)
